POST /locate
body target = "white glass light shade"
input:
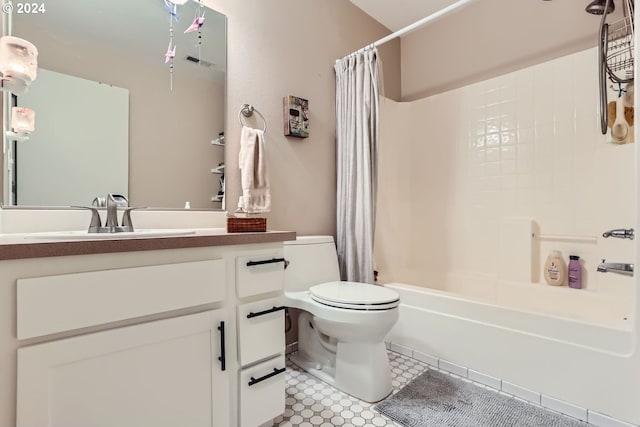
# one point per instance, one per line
(18, 63)
(178, 2)
(23, 120)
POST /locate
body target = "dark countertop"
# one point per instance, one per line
(17, 246)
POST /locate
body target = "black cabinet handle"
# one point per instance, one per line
(223, 357)
(266, 261)
(275, 372)
(251, 314)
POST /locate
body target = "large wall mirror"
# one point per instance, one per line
(155, 143)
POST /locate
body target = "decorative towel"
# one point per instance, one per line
(254, 176)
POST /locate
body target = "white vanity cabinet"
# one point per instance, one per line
(261, 340)
(179, 337)
(161, 373)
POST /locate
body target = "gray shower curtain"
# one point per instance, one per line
(357, 135)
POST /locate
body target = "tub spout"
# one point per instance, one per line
(620, 233)
(615, 267)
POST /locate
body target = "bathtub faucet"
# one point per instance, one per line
(615, 267)
(620, 233)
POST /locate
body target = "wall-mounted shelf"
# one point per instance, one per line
(219, 198)
(20, 137)
(566, 238)
(219, 140)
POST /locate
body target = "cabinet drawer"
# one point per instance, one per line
(262, 392)
(260, 330)
(51, 304)
(259, 274)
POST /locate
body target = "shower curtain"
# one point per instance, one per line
(357, 135)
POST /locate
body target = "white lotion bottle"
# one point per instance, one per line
(555, 270)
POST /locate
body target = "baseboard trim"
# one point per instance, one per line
(509, 389)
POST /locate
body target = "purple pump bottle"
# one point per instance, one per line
(575, 272)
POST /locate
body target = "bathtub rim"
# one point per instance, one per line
(624, 346)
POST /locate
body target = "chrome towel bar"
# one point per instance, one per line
(247, 110)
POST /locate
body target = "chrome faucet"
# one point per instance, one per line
(111, 224)
(615, 267)
(620, 233)
(112, 214)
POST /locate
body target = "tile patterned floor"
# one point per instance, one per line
(312, 403)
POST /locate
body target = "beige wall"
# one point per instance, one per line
(274, 49)
(289, 47)
(489, 38)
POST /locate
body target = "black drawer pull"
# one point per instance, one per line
(266, 261)
(251, 314)
(223, 357)
(266, 377)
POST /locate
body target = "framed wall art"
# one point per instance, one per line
(296, 116)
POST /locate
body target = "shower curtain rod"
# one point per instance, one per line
(415, 25)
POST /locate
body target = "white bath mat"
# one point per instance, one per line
(435, 399)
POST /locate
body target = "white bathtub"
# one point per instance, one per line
(573, 347)
(567, 315)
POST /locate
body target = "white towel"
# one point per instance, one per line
(254, 176)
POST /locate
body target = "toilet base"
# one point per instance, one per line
(313, 368)
(357, 368)
(363, 371)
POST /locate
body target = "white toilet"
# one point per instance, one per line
(342, 328)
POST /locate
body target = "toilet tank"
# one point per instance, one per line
(312, 260)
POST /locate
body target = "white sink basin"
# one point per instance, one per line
(84, 234)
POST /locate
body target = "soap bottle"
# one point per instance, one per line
(575, 272)
(555, 269)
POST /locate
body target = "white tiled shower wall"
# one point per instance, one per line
(525, 145)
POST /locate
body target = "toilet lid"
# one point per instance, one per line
(357, 296)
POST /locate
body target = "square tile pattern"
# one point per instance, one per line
(311, 402)
(525, 144)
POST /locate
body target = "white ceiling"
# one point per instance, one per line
(398, 14)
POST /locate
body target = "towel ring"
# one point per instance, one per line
(247, 110)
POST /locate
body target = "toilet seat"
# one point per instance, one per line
(354, 296)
